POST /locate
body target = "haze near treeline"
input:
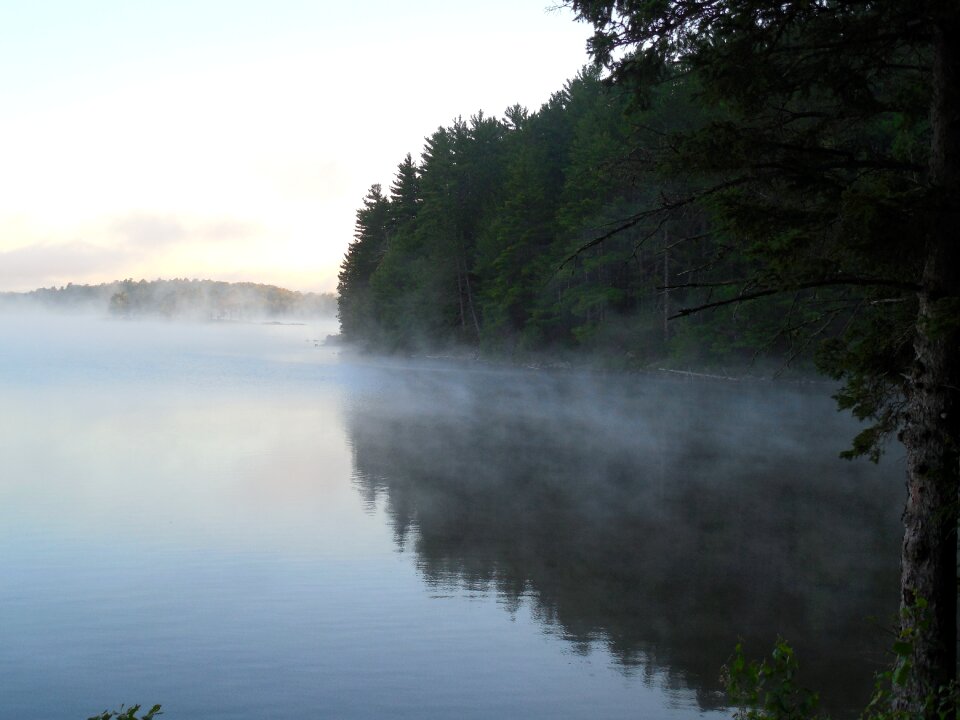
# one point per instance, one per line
(179, 299)
(783, 178)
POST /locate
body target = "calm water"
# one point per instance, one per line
(236, 523)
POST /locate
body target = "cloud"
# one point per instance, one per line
(151, 231)
(145, 231)
(228, 230)
(33, 266)
(132, 245)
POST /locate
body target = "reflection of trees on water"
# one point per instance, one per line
(663, 520)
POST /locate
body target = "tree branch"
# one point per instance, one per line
(839, 281)
(664, 207)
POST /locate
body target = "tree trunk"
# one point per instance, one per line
(463, 319)
(931, 433)
(929, 557)
(470, 303)
(666, 284)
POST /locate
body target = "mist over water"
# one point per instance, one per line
(657, 519)
(235, 521)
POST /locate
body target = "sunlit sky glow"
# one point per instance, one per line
(235, 139)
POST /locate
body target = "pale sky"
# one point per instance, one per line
(235, 139)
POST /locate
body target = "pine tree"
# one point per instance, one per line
(363, 256)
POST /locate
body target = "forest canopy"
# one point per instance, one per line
(510, 235)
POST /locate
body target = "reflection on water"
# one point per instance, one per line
(661, 520)
(238, 524)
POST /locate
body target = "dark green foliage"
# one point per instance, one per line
(736, 156)
(481, 243)
(808, 151)
(532, 234)
(769, 690)
(405, 197)
(129, 714)
(942, 703)
(362, 258)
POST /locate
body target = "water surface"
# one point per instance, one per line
(237, 523)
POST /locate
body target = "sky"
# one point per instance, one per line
(235, 139)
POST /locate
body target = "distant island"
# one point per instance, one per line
(177, 298)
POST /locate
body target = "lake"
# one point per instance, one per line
(238, 522)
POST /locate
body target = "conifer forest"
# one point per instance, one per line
(730, 181)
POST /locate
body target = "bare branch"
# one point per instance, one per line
(682, 240)
(665, 206)
(837, 281)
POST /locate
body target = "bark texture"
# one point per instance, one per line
(932, 431)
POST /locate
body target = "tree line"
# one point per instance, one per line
(490, 240)
(784, 175)
(180, 298)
